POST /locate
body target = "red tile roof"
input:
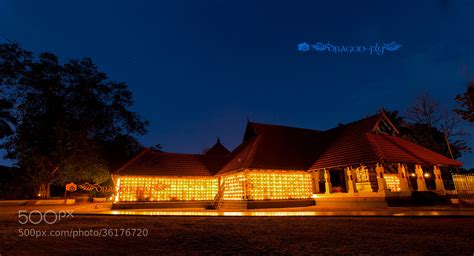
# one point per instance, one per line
(286, 148)
(348, 145)
(359, 142)
(151, 163)
(275, 147)
(239, 158)
(217, 150)
(423, 154)
(388, 151)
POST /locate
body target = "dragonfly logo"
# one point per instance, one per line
(379, 49)
(303, 47)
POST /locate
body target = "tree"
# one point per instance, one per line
(157, 148)
(12, 61)
(466, 103)
(394, 116)
(68, 117)
(435, 127)
(6, 118)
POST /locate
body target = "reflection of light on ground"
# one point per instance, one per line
(164, 213)
(420, 213)
(283, 213)
(248, 213)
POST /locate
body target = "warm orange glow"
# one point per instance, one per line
(279, 185)
(393, 182)
(262, 185)
(117, 190)
(235, 186)
(165, 188)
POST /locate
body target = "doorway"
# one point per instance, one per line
(338, 180)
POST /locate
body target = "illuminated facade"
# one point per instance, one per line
(166, 188)
(278, 163)
(266, 185)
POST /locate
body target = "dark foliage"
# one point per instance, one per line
(427, 135)
(466, 103)
(72, 122)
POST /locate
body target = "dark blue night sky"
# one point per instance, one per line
(199, 69)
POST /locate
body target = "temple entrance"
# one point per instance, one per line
(318, 183)
(429, 178)
(412, 178)
(322, 186)
(338, 180)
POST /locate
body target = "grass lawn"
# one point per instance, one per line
(247, 235)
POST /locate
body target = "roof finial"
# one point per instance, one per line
(218, 140)
(248, 119)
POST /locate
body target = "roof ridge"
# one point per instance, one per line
(354, 122)
(131, 161)
(383, 115)
(377, 148)
(252, 150)
(400, 147)
(236, 154)
(177, 153)
(285, 126)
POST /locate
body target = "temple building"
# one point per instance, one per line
(279, 166)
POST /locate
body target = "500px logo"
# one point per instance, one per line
(48, 217)
(377, 48)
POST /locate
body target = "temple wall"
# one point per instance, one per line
(268, 185)
(254, 184)
(157, 188)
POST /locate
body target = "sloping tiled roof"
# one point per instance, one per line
(217, 150)
(286, 148)
(357, 143)
(275, 147)
(239, 158)
(348, 144)
(388, 151)
(153, 163)
(423, 154)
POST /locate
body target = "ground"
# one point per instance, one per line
(244, 235)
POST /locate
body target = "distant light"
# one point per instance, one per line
(412, 174)
(427, 175)
(39, 194)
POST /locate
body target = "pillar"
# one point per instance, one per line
(420, 180)
(315, 177)
(438, 180)
(247, 191)
(327, 181)
(350, 180)
(379, 170)
(404, 187)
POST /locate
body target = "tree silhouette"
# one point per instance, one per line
(69, 116)
(466, 103)
(431, 125)
(6, 118)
